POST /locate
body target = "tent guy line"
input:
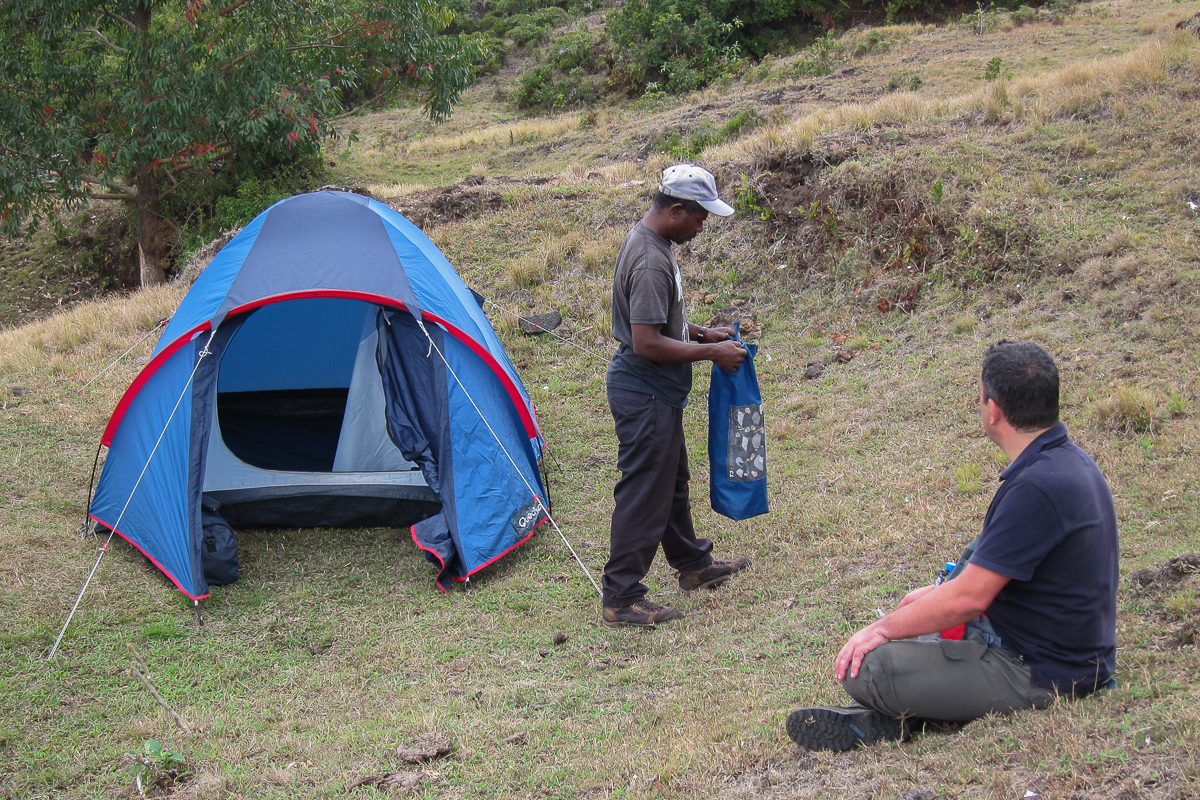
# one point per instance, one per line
(592, 353)
(117, 360)
(433, 348)
(113, 532)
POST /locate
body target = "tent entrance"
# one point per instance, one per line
(295, 430)
(285, 379)
(299, 430)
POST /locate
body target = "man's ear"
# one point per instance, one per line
(994, 412)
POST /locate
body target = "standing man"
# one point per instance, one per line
(1043, 572)
(648, 383)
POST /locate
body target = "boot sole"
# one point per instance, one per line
(709, 584)
(838, 729)
(714, 582)
(619, 623)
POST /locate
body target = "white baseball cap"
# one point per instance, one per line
(689, 182)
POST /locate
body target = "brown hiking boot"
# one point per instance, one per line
(711, 576)
(642, 614)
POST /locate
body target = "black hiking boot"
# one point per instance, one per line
(840, 728)
(711, 576)
(642, 614)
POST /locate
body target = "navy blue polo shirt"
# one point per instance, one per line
(1052, 529)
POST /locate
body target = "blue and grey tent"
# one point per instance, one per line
(328, 368)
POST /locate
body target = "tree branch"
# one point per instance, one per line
(145, 679)
(118, 18)
(385, 89)
(231, 8)
(128, 198)
(322, 42)
(104, 39)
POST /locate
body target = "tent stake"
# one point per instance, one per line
(199, 616)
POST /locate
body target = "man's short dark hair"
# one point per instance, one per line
(665, 201)
(1023, 380)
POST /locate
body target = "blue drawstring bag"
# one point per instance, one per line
(737, 440)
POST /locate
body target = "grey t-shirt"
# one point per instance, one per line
(648, 290)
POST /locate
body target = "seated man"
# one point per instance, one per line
(1043, 573)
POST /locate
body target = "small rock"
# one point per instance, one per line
(814, 370)
(536, 324)
(843, 356)
(18, 391)
(516, 738)
(427, 748)
(560, 638)
(916, 794)
(388, 781)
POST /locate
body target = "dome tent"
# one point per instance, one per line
(328, 368)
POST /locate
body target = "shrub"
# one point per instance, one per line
(550, 17)
(496, 54)
(525, 31)
(494, 23)
(747, 202)
(680, 46)
(744, 121)
(1023, 16)
(577, 49)
(817, 59)
(539, 90)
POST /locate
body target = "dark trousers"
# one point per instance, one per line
(652, 505)
(945, 679)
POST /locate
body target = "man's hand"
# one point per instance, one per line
(926, 610)
(650, 343)
(714, 335)
(728, 355)
(851, 656)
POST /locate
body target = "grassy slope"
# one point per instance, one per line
(334, 648)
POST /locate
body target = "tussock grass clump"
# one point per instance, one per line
(1128, 410)
(969, 478)
(1184, 604)
(525, 270)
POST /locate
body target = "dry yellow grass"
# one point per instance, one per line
(391, 190)
(1071, 90)
(87, 328)
(523, 131)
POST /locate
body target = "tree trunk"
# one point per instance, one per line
(152, 229)
(153, 232)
